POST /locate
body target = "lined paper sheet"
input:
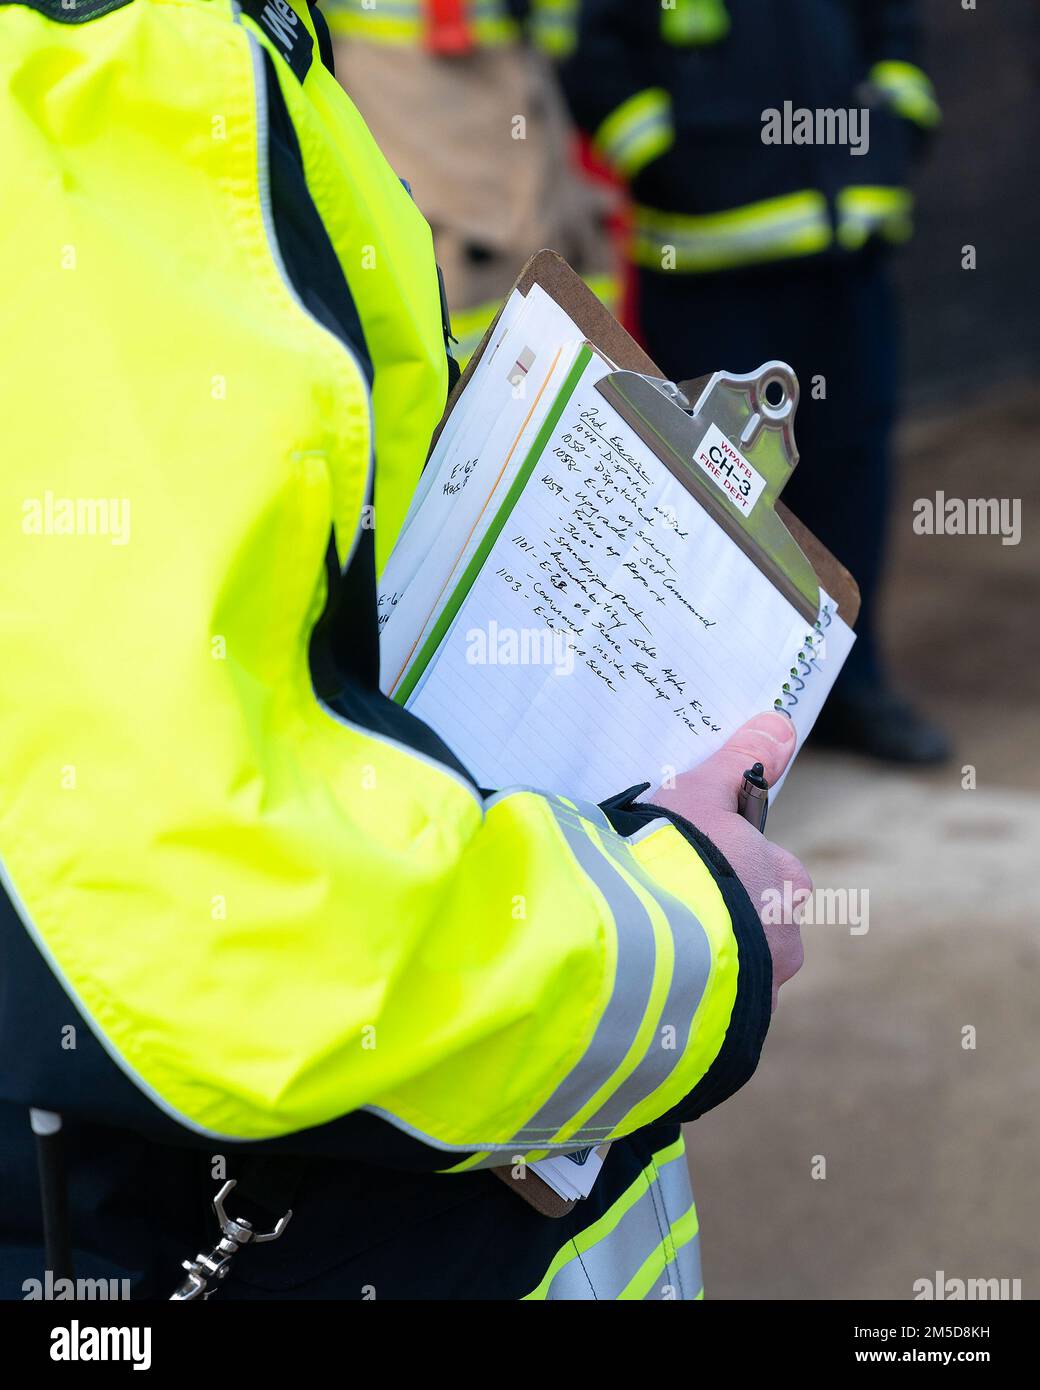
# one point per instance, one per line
(615, 634)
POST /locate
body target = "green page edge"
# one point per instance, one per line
(491, 535)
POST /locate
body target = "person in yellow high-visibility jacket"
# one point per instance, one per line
(257, 920)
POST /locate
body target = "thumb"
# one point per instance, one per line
(768, 739)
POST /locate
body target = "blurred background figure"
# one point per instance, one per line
(462, 98)
(762, 229)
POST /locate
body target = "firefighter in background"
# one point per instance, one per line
(750, 243)
(463, 99)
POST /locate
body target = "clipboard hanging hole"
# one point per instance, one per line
(776, 393)
(771, 394)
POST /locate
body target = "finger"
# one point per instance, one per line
(768, 739)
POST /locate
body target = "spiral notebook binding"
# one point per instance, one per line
(808, 660)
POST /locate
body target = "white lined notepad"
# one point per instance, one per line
(615, 633)
(583, 623)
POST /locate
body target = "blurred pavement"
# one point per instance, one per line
(931, 1150)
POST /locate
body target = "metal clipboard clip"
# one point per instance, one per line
(755, 413)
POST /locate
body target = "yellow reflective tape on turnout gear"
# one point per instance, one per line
(909, 91)
(862, 212)
(694, 22)
(796, 224)
(637, 131)
(553, 26)
(645, 1246)
(404, 21)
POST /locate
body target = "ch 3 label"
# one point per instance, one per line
(729, 470)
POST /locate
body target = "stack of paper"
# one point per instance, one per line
(572, 1176)
(559, 608)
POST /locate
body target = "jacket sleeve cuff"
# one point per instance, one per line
(636, 132)
(741, 1047)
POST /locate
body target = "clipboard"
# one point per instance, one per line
(755, 412)
(672, 419)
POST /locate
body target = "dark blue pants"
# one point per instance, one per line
(830, 318)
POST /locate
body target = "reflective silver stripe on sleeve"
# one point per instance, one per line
(682, 1278)
(633, 979)
(690, 972)
(624, 1015)
(603, 1271)
(606, 1269)
(588, 809)
(682, 1275)
(645, 831)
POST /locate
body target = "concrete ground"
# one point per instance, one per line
(931, 1147)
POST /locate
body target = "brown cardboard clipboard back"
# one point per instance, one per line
(599, 326)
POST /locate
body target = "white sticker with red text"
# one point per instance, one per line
(729, 470)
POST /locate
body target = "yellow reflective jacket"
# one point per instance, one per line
(758, 132)
(273, 900)
(549, 24)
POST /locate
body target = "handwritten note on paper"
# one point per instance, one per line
(615, 633)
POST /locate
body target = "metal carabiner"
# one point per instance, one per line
(217, 1264)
